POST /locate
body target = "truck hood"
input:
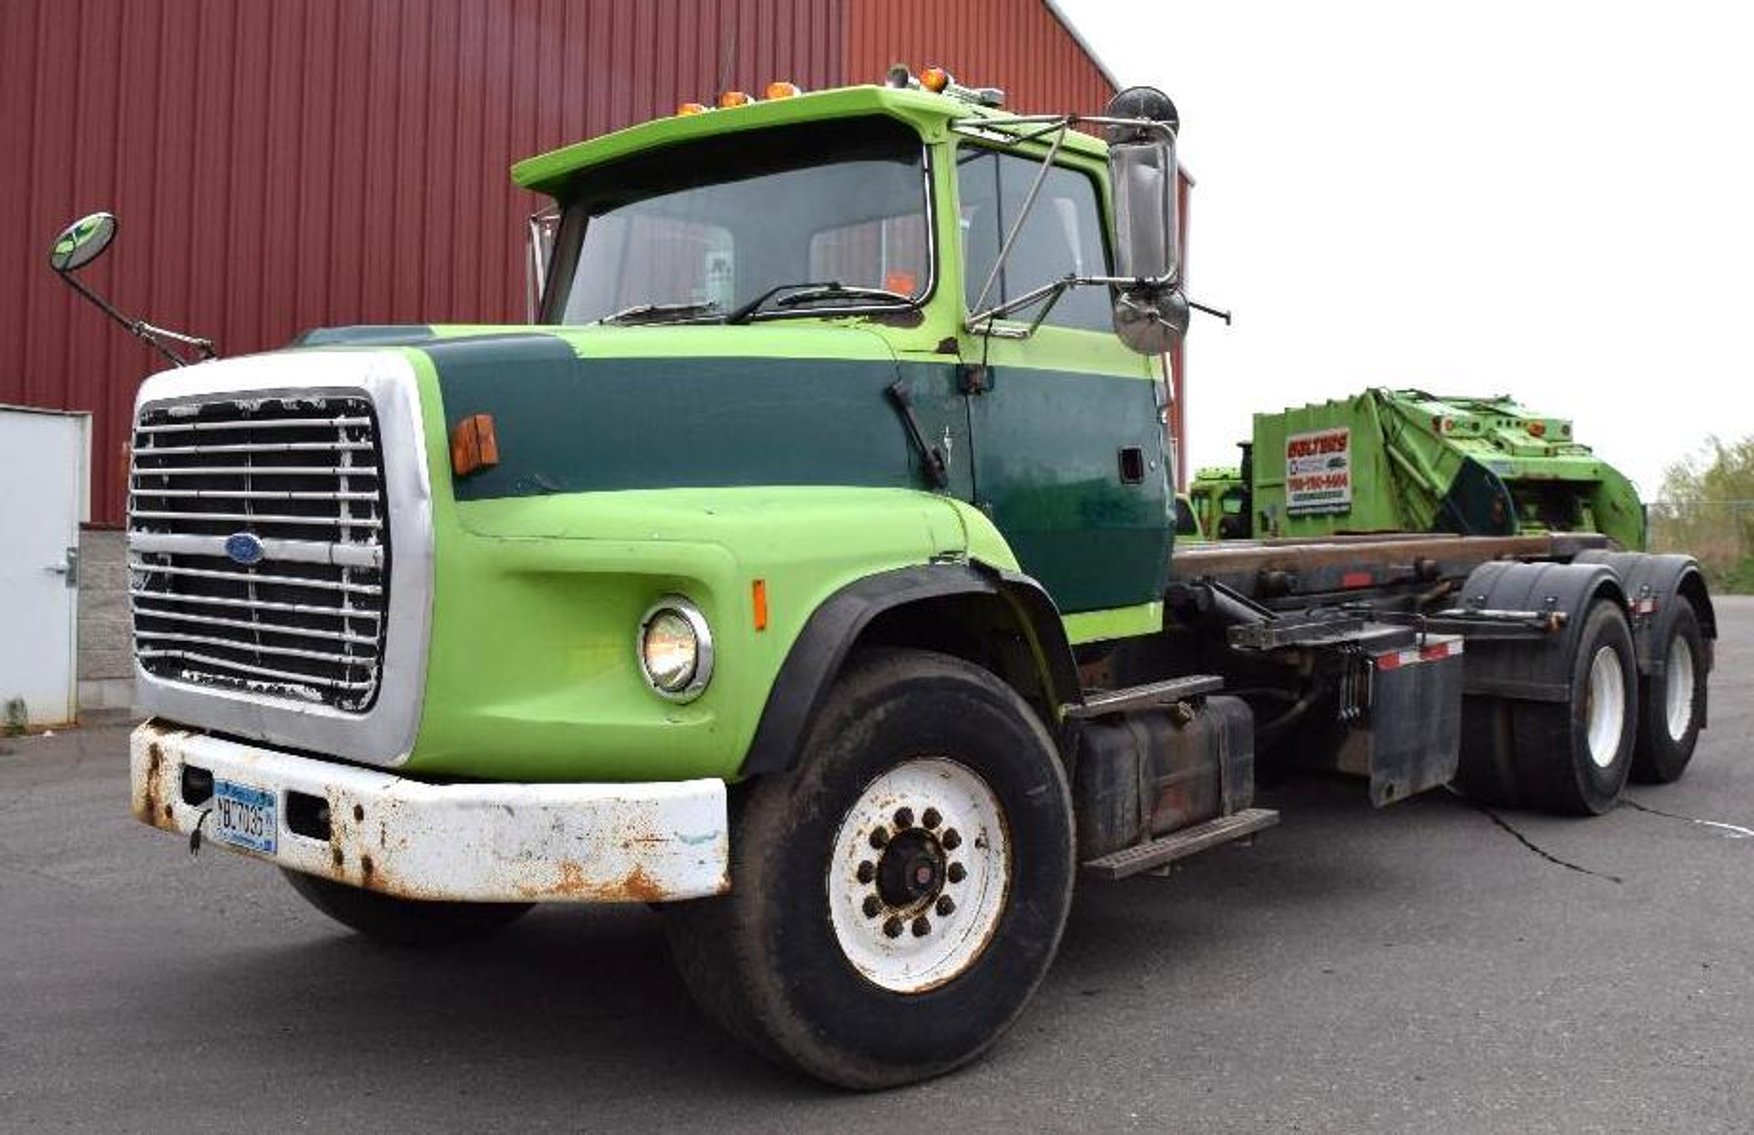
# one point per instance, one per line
(586, 410)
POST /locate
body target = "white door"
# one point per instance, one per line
(42, 495)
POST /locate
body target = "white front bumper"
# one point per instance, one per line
(468, 842)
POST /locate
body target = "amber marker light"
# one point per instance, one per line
(473, 446)
(759, 593)
(692, 108)
(935, 79)
(735, 98)
(781, 89)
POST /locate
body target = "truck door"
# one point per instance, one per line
(1066, 429)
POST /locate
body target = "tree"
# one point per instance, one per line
(1707, 509)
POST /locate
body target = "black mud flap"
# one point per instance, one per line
(1409, 738)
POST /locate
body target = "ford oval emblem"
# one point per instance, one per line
(244, 548)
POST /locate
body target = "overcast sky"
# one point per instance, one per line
(1550, 200)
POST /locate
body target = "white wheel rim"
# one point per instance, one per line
(1679, 678)
(901, 929)
(1606, 707)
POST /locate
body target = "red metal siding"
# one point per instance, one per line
(1019, 45)
(309, 162)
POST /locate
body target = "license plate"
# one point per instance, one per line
(243, 816)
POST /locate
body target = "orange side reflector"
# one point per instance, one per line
(692, 108)
(734, 98)
(780, 89)
(935, 79)
(1537, 429)
(759, 591)
(473, 446)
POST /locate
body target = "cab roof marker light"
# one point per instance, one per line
(692, 108)
(899, 78)
(939, 81)
(780, 89)
(735, 98)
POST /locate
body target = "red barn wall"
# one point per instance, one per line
(307, 162)
(279, 166)
(1018, 45)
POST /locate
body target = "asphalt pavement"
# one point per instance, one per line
(1420, 968)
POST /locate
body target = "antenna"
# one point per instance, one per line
(727, 60)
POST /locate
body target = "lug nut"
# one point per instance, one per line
(873, 906)
(957, 873)
(931, 819)
(951, 840)
(946, 906)
(867, 871)
(904, 818)
(880, 838)
(892, 928)
(922, 927)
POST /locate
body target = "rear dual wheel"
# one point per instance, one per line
(1574, 757)
(1673, 709)
(1571, 757)
(897, 897)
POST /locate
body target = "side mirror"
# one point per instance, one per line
(82, 242)
(1150, 314)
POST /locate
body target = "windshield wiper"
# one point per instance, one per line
(652, 312)
(814, 291)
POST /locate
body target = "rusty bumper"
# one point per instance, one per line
(468, 842)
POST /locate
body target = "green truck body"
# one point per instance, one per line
(1407, 461)
(808, 568)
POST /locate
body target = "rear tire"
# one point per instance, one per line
(1673, 708)
(1574, 757)
(1486, 771)
(898, 896)
(399, 921)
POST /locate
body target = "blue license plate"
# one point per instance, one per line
(244, 816)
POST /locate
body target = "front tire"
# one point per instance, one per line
(1673, 708)
(897, 897)
(399, 921)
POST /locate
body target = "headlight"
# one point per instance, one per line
(676, 649)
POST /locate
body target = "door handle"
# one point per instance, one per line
(67, 569)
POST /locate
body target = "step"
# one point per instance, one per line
(1181, 844)
(1139, 697)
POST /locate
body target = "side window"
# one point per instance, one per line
(1062, 234)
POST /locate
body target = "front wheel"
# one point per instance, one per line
(897, 897)
(399, 921)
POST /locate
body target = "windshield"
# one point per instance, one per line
(837, 211)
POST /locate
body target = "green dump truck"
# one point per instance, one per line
(1408, 461)
(807, 569)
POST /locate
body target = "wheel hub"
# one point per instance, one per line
(919, 875)
(912, 869)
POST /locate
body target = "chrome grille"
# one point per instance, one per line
(259, 546)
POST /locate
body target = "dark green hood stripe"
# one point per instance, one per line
(566, 424)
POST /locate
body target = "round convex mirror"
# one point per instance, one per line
(82, 242)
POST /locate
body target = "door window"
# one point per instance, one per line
(1062, 235)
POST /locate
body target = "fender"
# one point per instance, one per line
(1666, 581)
(1538, 670)
(828, 637)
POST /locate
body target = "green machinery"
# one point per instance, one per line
(1407, 461)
